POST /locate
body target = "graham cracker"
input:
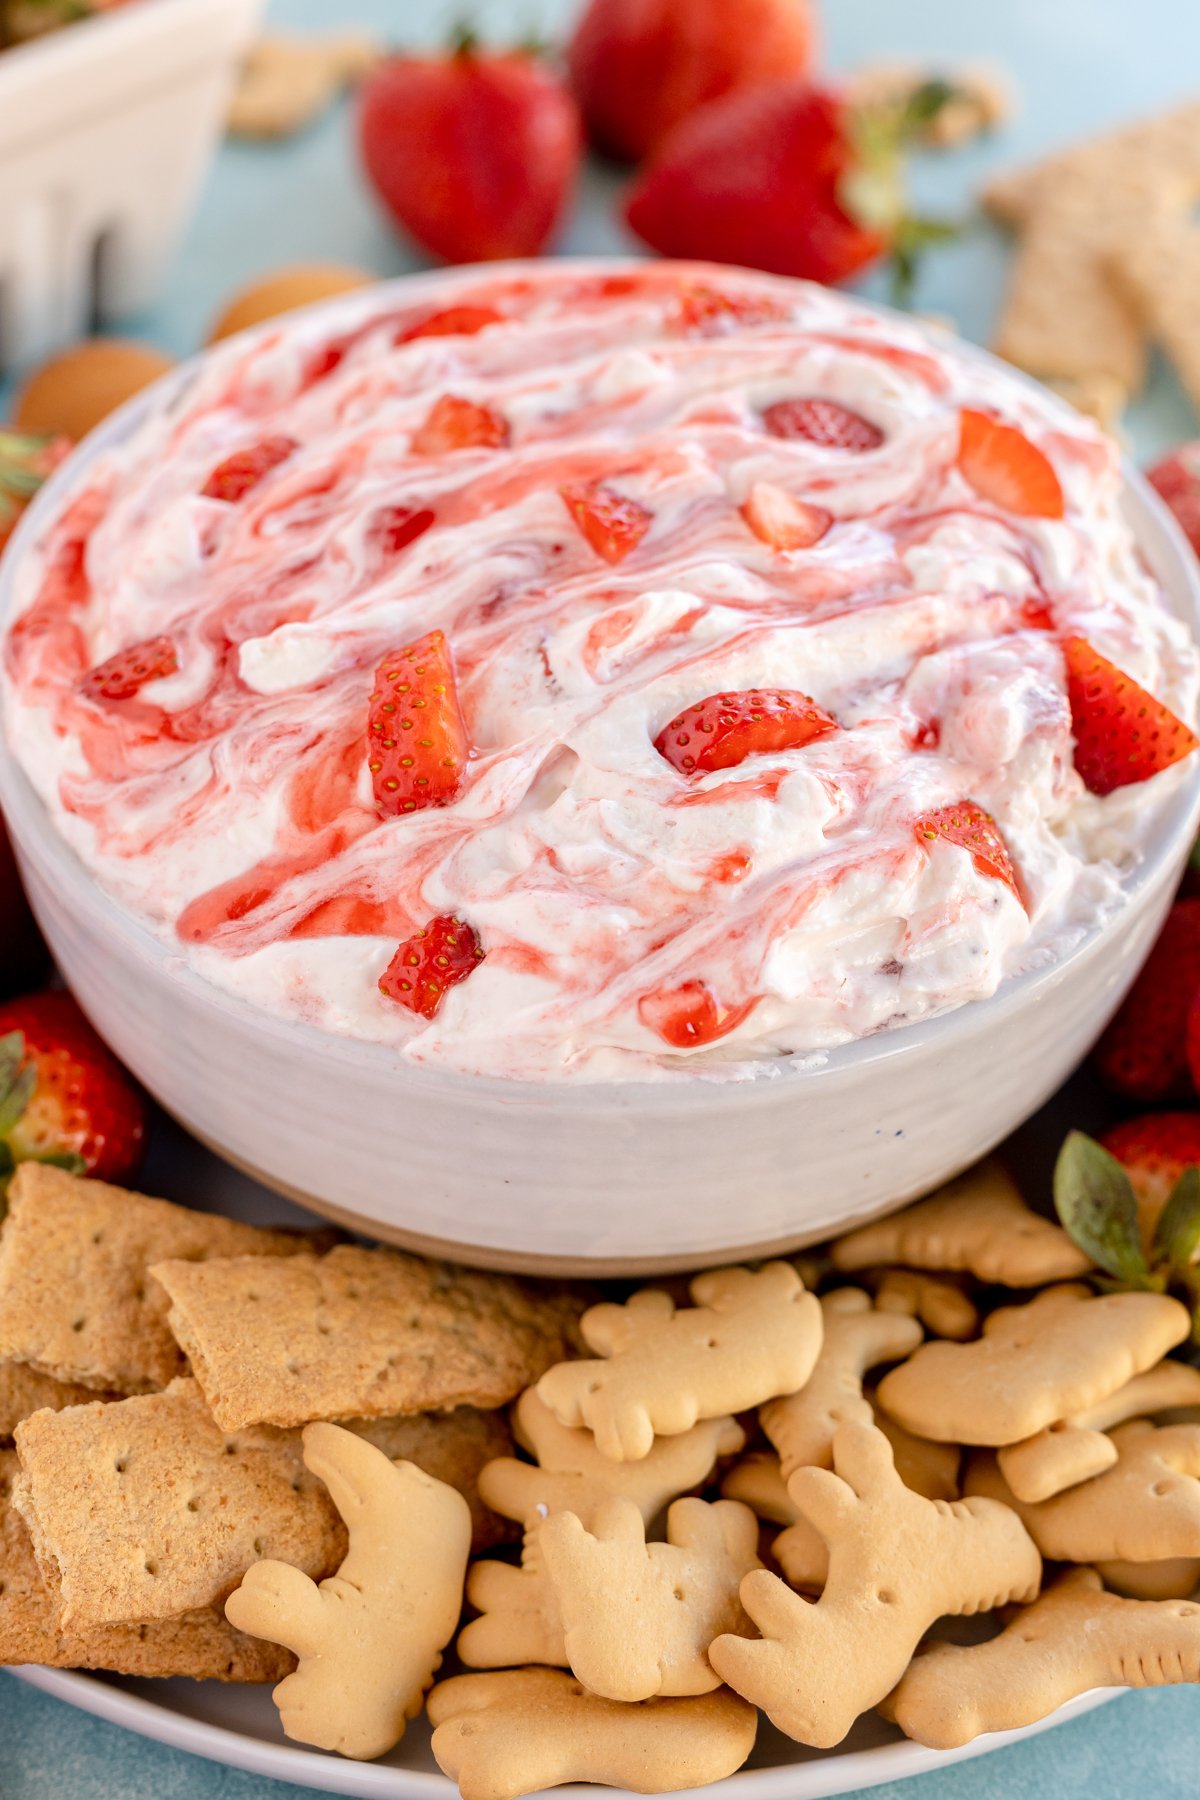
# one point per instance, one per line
(1063, 318)
(24, 1390)
(1066, 319)
(1168, 144)
(200, 1644)
(144, 1508)
(76, 1298)
(1158, 272)
(358, 1334)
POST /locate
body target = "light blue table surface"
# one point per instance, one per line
(1079, 65)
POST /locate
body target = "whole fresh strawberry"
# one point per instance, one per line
(1154, 1150)
(788, 178)
(24, 958)
(1177, 478)
(640, 66)
(25, 462)
(474, 154)
(64, 1097)
(1143, 1053)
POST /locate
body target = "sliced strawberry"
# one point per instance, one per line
(1154, 1150)
(437, 957)
(452, 321)
(612, 523)
(1122, 733)
(246, 468)
(1143, 1053)
(781, 520)
(124, 674)
(456, 424)
(394, 528)
(972, 829)
(822, 422)
(64, 1097)
(689, 1015)
(1177, 478)
(417, 743)
(721, 731)
(709, 310)
(1003, 466)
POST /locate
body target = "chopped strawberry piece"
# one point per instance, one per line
(124, 674)
(1177, 478)
(1154, 1150)
(1003, 466)
(456, 424)
(452, 321)
(1143, 1053)
(690, 1015)
(709, 310)
(417, 744)
(1122, 733)
(721, 731)
(394, 528)
(612, 523)
(246, 468)
(822, 422)
(781, 520)
(437, 957)
(971, 828)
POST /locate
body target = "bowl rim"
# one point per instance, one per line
(681, 1087)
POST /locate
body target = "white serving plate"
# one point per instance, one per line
(239, 1726)
(107, 129)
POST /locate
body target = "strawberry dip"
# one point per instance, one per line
(601, 672)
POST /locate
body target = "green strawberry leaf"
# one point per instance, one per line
(1177, 1232)
(914, 236)
(1094, 1198)
(925, 103)
(17, 1081)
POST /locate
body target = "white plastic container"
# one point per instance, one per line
(107, 129)
(589, 1178)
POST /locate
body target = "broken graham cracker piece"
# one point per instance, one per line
(1163, 149)
(198, 1644)
(144, 1508)
(76, 1297)
(25, 1390)
(1035, 1364)
(1074, 1637)
(358, 1334)
(977, 1225)
(1158, 272)
(287, 82)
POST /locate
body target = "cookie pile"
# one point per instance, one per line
(268, 1456)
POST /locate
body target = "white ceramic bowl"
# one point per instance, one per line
(590, 1178)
